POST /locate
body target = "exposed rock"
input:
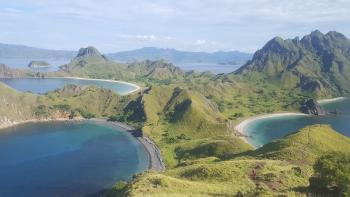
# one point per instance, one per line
(310, 106)
(90, 52)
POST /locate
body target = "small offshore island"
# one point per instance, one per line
(191, 124)
(39, 64)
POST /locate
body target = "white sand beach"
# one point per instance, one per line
(240, 127)
(323, 101)
(137, 88)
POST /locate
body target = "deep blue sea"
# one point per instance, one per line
(41, 86)
(66, 159)
(265, 130)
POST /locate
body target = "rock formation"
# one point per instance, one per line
(310, 106)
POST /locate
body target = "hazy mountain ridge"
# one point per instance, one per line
(176, 56)
(147, 53)
(21, 51)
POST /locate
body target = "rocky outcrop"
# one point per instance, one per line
(89, 52)
(310, 106)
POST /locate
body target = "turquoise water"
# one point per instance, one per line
(265, 130)
(66, 159)
(41, 86)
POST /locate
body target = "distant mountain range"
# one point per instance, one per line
(147, 53)
(175, 56)
(25, 52)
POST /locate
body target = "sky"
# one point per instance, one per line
(193, 25)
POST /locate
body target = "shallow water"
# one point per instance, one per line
(41, 86)
(66, 158)
(265, 130)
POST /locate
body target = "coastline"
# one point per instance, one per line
(137, 88)
(16, 123)
(240, 127)
(324, 101)
(155, 157)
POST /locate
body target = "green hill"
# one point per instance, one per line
(69, 102)
(317, 63)
(91, 63)
(280, 168)
(305, 146)
(182, 120)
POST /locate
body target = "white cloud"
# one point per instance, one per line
(186, 24)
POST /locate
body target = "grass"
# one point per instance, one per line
(306, 145)
(89, 102)
(190, 122)
(281, 168)
(225, 178)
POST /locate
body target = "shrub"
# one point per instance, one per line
(85, 114)
(332, 174)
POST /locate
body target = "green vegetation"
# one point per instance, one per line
(191, 117)
(305, 146)
(318, 63)
(277, 169)
(69, 102)
(332, 175)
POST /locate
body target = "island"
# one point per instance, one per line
(39, 64)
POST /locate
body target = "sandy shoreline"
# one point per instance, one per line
(137, 88)
(155, 157)
(17, 123)
(323, 101)
(240, 127)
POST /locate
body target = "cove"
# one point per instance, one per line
(67, 158)
(265, 130)
(42, 86)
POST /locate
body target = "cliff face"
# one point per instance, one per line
(311, 106)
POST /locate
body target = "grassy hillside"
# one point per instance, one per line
(281, 168)
(305, 146)
(317, 63)
(191, 116)
(181, 120)
(69, 102)
(226, 178)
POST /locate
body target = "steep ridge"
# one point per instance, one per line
(317, 63)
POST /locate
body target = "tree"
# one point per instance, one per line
(332, 174)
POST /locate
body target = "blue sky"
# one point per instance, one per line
(195, 25)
